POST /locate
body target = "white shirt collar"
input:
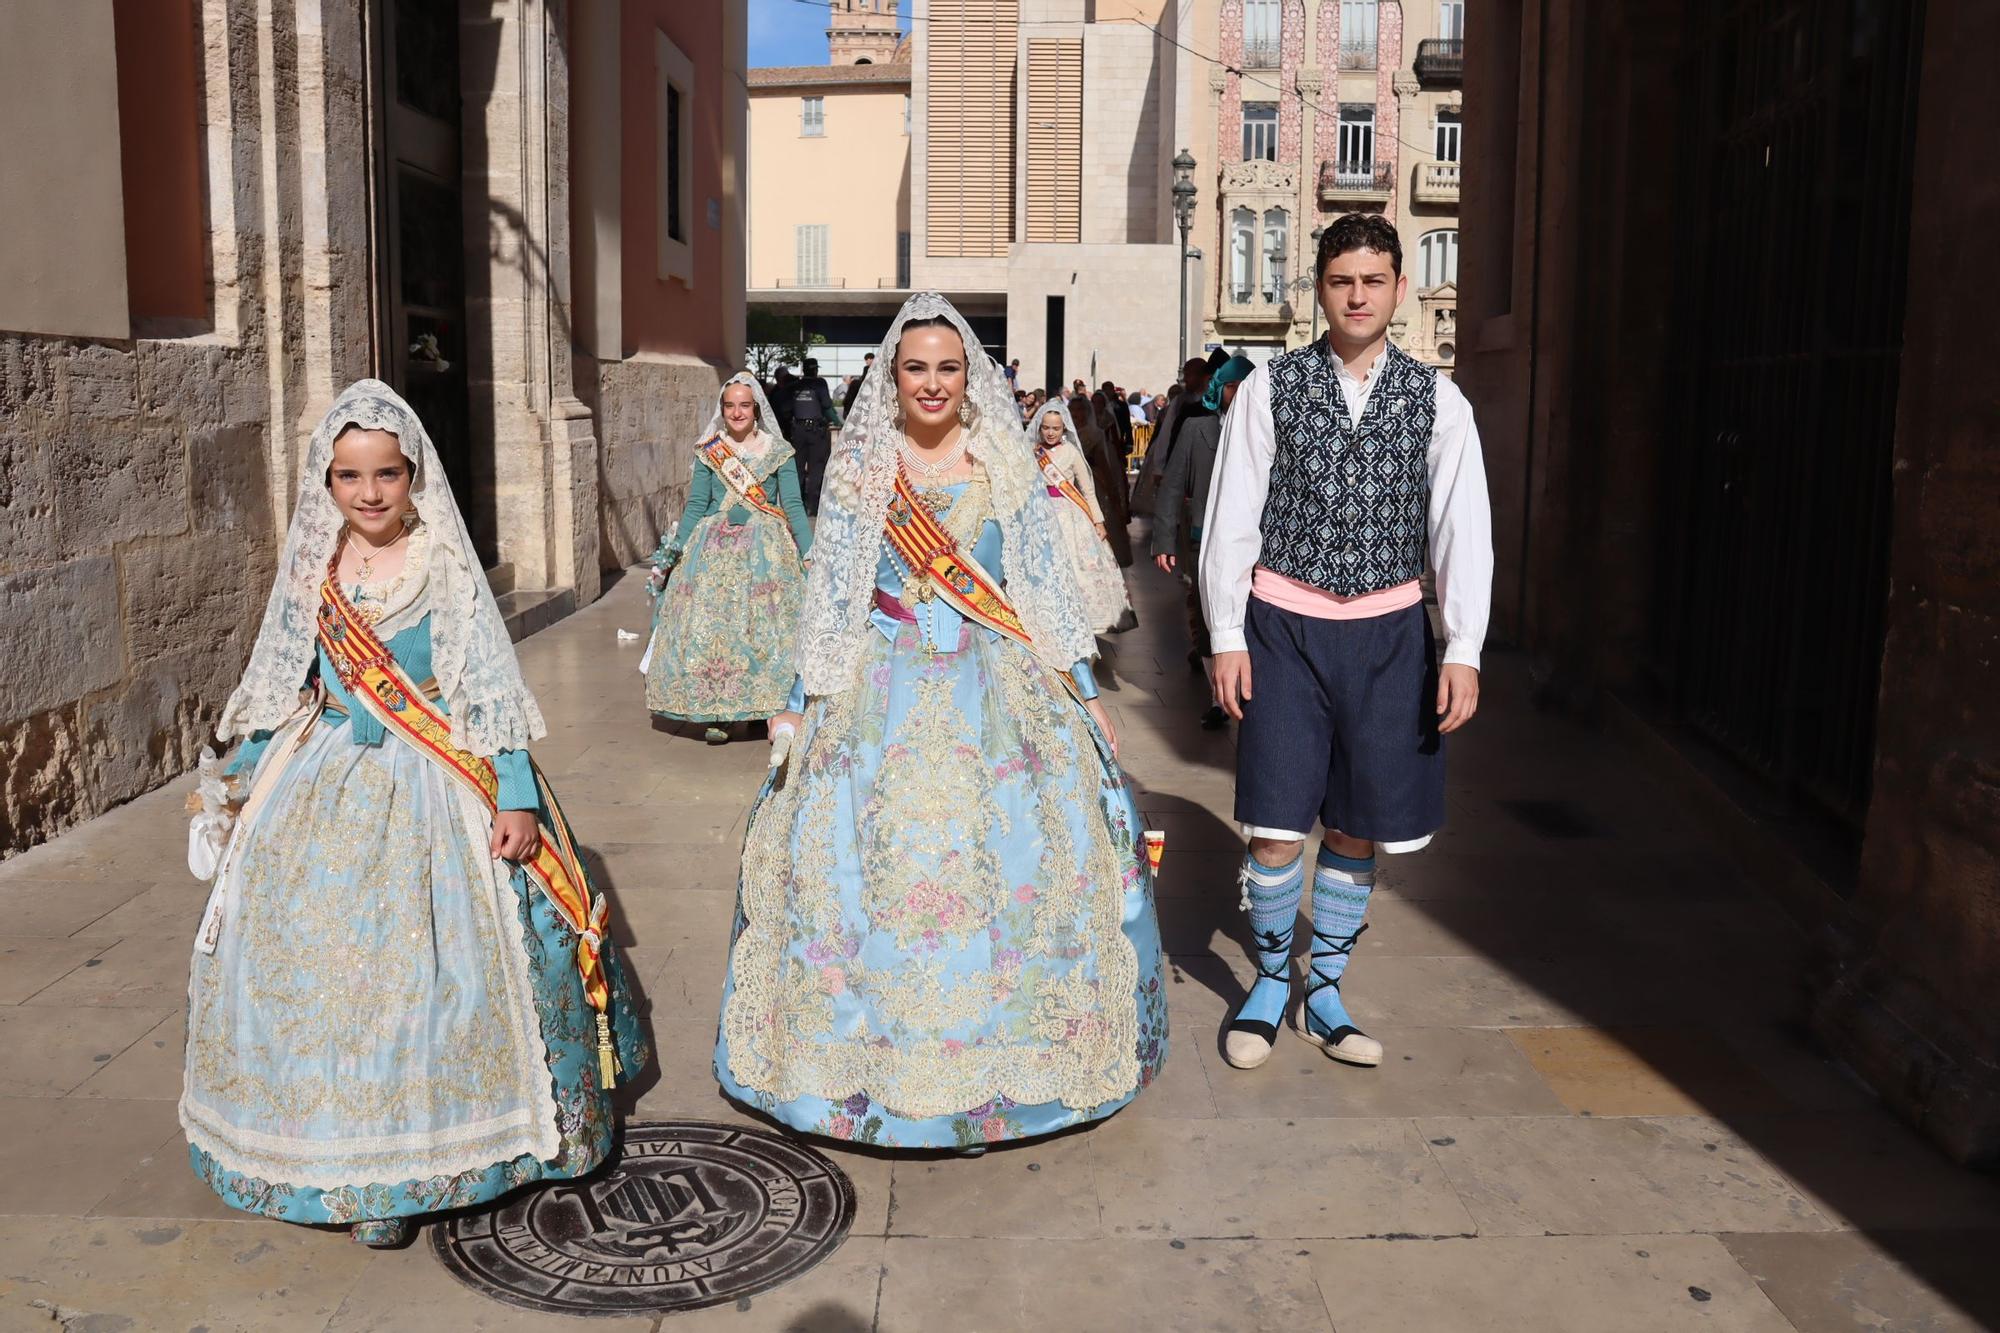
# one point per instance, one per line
(1340, 367)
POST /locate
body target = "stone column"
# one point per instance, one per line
(514, 77)
(335, 333)
(572, 430)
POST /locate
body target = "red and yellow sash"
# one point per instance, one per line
(1057, 480)
(718, 455)
(938, 568)
(376, 682)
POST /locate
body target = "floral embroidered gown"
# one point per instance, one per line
(722, 632)
(945, 933)
(392, 1022)
(1097, 574)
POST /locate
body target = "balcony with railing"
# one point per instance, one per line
(1262, 53)
(1346, 182)
(1441, 61)
(1437, 183)
(1357, 55)
(1251, 306)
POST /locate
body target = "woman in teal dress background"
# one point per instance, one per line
(729, 577)
(945, 932)
(386, 1016)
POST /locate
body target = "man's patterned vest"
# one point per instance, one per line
(1349, 504)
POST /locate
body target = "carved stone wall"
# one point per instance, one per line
(143, 480)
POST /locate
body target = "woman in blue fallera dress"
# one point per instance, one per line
(388, 1013)
(730, 575)
(945, 934)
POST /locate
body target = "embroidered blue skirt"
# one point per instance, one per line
(945, 933)
(392, 1022)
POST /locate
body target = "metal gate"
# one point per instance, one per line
(1800, 129)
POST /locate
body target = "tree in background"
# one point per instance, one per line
(772, 340)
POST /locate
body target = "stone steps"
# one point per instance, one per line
(527, 610)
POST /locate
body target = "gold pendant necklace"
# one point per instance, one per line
(366, 569)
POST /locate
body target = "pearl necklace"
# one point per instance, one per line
(921, 470)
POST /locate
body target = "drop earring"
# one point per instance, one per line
(965, 412)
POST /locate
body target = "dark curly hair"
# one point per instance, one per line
(1359, 231)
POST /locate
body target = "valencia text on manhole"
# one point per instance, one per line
(691, 1214)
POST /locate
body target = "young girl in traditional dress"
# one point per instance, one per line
(1059, 454)
(722, 633)
(945, 933)
(404, 996)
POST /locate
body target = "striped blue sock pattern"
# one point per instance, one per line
(1275, 893)
(1341, 887)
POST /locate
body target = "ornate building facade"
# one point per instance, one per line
(221, 212)
(1315, 108)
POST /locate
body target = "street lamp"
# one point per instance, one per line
(1184, 193)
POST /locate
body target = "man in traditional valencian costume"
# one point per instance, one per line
(1344, 467)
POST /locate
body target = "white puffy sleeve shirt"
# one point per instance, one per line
(1461, 516)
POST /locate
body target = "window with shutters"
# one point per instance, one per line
(1262, 25)
(1277, 249)
(812, 255)
(812, 117)
(1451, 19)
(1242, 254)
(1437, 258)
(1447, 129)
(1260, 131)
(1055, 140)
(1356, 164)
(969, 78)
(903, 259)
(1357, 34)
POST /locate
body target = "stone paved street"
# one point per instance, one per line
(1591, 1116)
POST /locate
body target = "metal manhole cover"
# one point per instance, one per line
(692, 1214)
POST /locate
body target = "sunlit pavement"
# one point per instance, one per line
(1591, 1115)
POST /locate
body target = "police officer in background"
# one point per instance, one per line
(781, 400)
(812, 431)
(847, 404)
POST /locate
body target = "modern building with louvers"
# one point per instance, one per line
(1042, 178)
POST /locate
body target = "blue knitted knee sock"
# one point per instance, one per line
(1341, 885)
(1274, 893)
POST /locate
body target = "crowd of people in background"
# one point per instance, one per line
(1126, 435)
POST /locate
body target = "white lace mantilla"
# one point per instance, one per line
(491, 707)
(847, 539)
(764, 429)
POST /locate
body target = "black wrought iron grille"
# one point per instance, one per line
(1798, 161)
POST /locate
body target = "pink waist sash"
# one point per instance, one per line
(894, 609)
(1305, 600)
